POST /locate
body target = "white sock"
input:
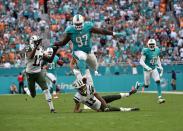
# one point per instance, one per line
(88, 77)
(48, 98)
(125, 109)
(124, 95)
(27, 91)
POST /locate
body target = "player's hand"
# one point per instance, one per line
(60, 62)
(117, 34)
(38, 42)
(148, 68)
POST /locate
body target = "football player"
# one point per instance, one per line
(34, 73)
(51, 67)
(150, 61)
(87, 95)
(80, 35)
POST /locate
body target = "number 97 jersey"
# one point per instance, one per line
(81, 39)
(151, 57)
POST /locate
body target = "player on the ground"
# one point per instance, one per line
(34, 57)
(80, 35)
(150, 61)
(52, 71)
(87, 95)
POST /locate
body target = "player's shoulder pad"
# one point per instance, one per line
(88, 25)
(157, 49)
(69, 29)
(145, 50)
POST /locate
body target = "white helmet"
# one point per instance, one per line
(49, 51)
(151, 44)
(34, 39)
(78, 84)
(78, 22)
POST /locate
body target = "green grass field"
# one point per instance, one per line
(17, 114)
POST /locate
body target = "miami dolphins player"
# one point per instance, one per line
(150, 61)
(80, 35)
(34, 73)
(87, 95)
(52, 71)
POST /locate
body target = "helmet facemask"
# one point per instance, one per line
(78, 22)
(151, 44)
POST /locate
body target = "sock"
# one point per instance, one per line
(125, 109)
(124, 95)
(88, 77)
(159, 89)
(48, 98)
(27, 91)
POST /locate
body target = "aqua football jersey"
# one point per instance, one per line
(151, 57)
(81, 39)
(52, 66)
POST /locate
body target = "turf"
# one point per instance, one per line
(19, 114)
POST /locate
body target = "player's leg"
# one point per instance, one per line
(81, 60)
(110, 98)
(42, 83)
(92, 63)
(88, 77)
(53, 80)
(31, 85)
(156, 77)
(123, 109)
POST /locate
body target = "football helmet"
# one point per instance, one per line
(78, 22)
(151, 44)
(49, 51)
(35, 40)
(78, 84)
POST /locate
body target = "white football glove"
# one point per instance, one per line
(148, 68)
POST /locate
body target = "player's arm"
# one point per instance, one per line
(31, 53)
(142, 63)
(101, 31)
(65, 39)
(77, 107)
(104, 32)
(100, 99)
(160, 66)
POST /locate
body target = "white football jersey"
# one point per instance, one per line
(34, 65)
(88, 98)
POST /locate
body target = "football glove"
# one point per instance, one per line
(161, 71)
(148, 68)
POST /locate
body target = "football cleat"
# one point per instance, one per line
(53, 111)
(161, 100)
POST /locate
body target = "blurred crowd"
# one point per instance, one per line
(138, 20)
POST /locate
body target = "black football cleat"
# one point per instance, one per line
(53, 111)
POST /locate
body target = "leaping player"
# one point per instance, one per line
(80, 35)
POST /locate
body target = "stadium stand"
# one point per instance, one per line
(137, 19)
